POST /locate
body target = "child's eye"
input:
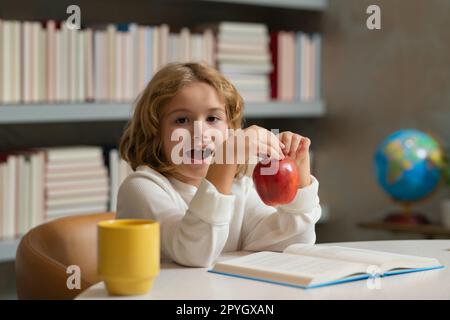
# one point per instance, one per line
(212, 119)
(181, 120)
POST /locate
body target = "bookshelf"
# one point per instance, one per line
(45, 113)
(314, 5)
(8, 248)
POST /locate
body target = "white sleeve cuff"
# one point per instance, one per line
(305, 200)
(210, 205)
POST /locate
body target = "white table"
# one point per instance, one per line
(177, 282)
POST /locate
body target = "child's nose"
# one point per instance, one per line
(201, 127)
(201, 131)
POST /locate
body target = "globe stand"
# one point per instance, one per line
(407, 217)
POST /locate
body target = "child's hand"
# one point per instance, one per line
(264, 143)
(297, 148)
(254, 143)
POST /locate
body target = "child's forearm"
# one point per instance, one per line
(304, 173)
(220, 173)
(221, 176)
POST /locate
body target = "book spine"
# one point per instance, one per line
(16, 62)
(72, 75)
(281, 65)
(89, 65)
(134, 62)
(290, 66)
(80, 68)
(156, 43)
(64, 64)
(129, 60)
(110, 70)
(2, 196)
(317, 40)
(163, 45)
(6, 73)
(1, 63)
(51, 65)
(274, 73)
(118, 67)
(9, 227)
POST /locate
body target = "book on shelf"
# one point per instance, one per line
(71, 172)
(296, 59)
(89, 191)
(82, 209)
(42, 183)
(71, 158)
(243, 56)
(74, 183)
(311, 266)
(81, 166)
(22, 191)
(76, 201)
(75, 154)
(119, 169)
(46, 62)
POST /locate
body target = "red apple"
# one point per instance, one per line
(281, 186)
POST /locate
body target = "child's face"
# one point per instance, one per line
(199, 114)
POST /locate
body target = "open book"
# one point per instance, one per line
(311, 266)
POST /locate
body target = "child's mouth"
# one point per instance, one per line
(199, 156)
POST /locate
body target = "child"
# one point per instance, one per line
(206, 207)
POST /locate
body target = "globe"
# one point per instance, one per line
(408, 165)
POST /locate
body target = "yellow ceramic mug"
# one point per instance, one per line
(128, 255)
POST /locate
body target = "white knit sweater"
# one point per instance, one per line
(197, 224)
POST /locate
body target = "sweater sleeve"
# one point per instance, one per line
(193, 237)
(269, 228)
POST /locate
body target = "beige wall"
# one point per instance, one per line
(376, 82)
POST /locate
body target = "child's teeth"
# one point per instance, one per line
(196, 154)
(206, 153)
(200, 154)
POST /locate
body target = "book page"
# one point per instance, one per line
(384, 260)
(296, 269)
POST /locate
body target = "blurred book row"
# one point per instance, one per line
(41, 184)
(48, 62)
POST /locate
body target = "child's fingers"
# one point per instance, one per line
(265, 149)
(296, 139)
(275, 143)
(275, 153)
(306, 143)
(286, 139)
(270, 139)
(303, 148)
